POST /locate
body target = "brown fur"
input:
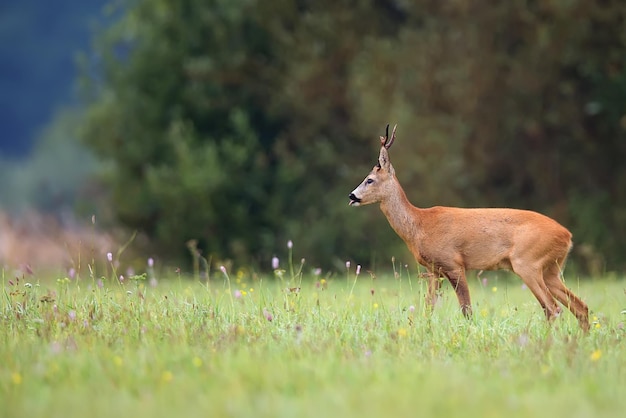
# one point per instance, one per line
(449, 241)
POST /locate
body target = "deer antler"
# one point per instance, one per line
(385, 141)
(393, 136)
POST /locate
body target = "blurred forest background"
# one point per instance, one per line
(245, 124)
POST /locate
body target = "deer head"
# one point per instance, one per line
(374, 188)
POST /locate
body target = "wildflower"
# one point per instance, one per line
(121, 278)
(223, 269)
(197, 361)
(71, 315)
(411, 308)
(117, 360)
(523, 340)
(151, 262)
(110, 257)
(375, 305)
(16, 378)
(596, 355)
(72, 273)
(494, 289)
(317, 271)
(100, 284)
(267, 315)
(484, 281)
(275, 263)
(251, 289)
(167, 376)
(358, 269)
(237, 294)
(28, 285)
(289, 244)
(348, 264)
(402, 332)
(26, 268)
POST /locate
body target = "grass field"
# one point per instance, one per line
(307, 346)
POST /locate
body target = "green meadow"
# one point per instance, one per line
(304, 345)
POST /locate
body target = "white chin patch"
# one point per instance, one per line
(354, 203)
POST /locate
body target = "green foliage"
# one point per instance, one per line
(244, 124)
(348, 346)
(54, 176)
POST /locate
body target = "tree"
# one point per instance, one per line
(245, 124)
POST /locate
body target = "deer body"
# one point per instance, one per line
(448, 241)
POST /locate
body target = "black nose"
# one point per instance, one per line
(352, 197)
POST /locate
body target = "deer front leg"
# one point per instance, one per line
(459, 284)
(434, 284)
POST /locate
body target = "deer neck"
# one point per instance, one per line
(402, 215)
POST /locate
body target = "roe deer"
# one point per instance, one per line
(448, 241)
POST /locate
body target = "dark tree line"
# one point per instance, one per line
(245, 124)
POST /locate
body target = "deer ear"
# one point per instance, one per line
(383, 158)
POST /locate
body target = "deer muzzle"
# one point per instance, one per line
(354, 201)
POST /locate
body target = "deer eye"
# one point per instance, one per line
(369, 181)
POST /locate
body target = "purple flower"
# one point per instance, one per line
(348, 264)
(267, 315)
(100, 284)
(71, 315)
(151, 262)
(411, 308)
(121, 278)
(358, 269)
(237, 294)
(223, 269)
(110, 257)
(275, 263)
(290, 244)
(72, 273)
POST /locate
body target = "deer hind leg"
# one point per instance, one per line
(533, 278)
(459, 284)
(557, 288)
